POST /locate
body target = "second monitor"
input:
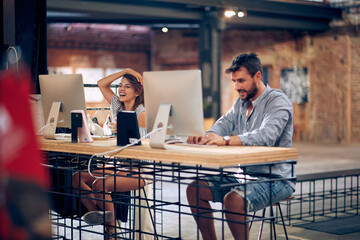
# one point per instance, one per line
(173, 101)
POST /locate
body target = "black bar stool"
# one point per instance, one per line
(272, 219)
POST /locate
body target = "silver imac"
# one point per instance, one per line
(60, 94)
(173, 101)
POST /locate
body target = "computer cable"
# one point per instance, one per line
(38, 132)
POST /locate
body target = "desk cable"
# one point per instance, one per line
(38, 132)
(118, 150)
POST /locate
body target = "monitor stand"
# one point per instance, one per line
(51, 123)
(157, 140)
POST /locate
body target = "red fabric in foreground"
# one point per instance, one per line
(19, 153)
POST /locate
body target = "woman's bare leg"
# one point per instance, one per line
(83, 181)
(118, 183)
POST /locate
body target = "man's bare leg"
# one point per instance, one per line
(233, 202)
(202, 191)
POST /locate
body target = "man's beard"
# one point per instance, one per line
(251, 93)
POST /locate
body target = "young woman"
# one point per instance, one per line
(130, 95)
(130, 98)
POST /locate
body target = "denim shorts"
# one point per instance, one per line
(257, 193)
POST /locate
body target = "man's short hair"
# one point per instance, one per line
(250, 61)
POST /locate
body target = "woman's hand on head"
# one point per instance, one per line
(137, 75)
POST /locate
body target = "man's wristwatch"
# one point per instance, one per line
(227, 140)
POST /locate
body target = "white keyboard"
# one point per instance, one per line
(193, 145)
(61, 136)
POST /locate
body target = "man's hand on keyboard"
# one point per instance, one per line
(210, 139)
(194, 139)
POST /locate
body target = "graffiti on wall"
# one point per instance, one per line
(295, 84)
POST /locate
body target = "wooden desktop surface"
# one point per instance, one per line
(210, 156)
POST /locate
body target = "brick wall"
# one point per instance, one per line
(332, 59)
(98, 59)
(176, 49)
(355, 89)
(329, 77)
(98, 46)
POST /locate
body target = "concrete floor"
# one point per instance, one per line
(315, 158)
(325, 157)
(312, 158)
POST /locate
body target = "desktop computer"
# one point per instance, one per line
(61, 94)
(174, 104)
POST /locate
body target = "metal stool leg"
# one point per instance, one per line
(262, 224)
(252, 220)
(272, 223)
(282, 220)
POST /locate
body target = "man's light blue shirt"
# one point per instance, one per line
(270, 123)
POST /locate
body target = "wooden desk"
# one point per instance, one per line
(209, 156)
(176, 167)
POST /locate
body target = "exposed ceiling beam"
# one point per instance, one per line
(275, 7)
(280, 23)
(261, 13)
(119, 8)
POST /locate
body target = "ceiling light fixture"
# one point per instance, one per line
(164, 29)
(241, 14)
(229, 13)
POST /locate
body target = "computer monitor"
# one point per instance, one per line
(60, 94)
(173, 101)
